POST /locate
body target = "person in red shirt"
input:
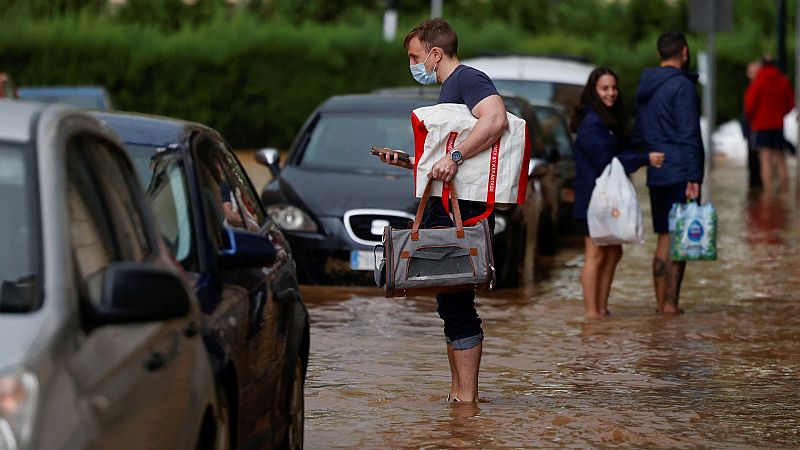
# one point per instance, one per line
(767, 100)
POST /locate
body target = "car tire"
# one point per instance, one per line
(294, 431)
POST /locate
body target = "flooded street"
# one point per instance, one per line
(725, 375)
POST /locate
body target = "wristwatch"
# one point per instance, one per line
(456, 156)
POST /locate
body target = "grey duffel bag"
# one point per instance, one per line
(421, 261)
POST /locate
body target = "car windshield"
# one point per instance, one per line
(343, 140)
(18, 232)
(161, 172)
(554, 125)
(541, 91)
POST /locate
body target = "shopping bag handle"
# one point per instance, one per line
(421, 210)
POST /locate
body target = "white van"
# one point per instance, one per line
(538, 79)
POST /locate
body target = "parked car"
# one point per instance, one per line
(241, 268)
(86, 97)
(7, 89)
(332, 198)
(557, 136)
(98, 329)
(536, 78)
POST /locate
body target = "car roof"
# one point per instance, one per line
(144, 129)
(532, 68)
(17, 119)
(374, 103)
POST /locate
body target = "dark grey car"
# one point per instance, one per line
(99, 342)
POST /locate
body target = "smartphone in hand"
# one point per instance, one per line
(401, 155)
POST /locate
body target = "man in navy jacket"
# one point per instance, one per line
(667, 120)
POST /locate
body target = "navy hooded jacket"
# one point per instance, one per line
(596, 145)
(668, 121)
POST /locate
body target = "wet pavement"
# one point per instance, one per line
(725, 375)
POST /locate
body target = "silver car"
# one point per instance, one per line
(100, 341)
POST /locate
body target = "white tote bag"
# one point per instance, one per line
(497, 175)
(614, 215)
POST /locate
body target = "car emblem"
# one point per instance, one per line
(378, 226)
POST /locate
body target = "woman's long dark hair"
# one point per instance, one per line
(614, 117)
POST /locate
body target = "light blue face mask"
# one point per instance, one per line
(420, 74)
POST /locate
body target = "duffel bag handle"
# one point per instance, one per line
(421, 210)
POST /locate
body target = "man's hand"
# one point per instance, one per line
(445, 169)
(656, 159)
(692, 190)
(391, 159)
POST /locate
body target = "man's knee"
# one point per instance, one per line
(659, 267)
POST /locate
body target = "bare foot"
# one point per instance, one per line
(593, 315)
(669, 309)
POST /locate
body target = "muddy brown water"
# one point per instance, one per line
(724, 375)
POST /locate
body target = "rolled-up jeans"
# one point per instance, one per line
(462, 325)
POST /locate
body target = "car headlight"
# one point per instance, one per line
(291, 218)
(19, 393)
(500, 224)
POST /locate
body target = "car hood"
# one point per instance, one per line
(332, 193)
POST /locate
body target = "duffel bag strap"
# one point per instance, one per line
(421, 211)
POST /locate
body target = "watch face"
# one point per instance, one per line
(456, 156)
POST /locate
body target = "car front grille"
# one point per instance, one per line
(365, 226)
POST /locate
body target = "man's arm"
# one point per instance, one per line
(492, 122)
(688, 136)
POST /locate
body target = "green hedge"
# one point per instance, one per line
(256, 81)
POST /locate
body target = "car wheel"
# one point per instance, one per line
(294, 432)
(224, 437)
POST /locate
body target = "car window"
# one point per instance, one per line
(343, 140)
(216, 189)
(169, 200)
(163, 173)
(19, 227)
(120, 188)
(91, 232)
(245, 199)
(554, 126)
(530, 90)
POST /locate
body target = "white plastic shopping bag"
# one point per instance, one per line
(614, 215)
(693, 232)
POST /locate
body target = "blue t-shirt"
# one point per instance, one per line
(466, 86)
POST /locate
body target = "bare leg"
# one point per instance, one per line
(675, 271)
(613, 253)
(780, 168)
(455, 387)
(590, 275)
(766, 169)
(660, 270)
(468, 364)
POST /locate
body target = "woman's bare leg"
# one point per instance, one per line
(590, 275)
(613, 254)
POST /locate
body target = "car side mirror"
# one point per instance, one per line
(132, 293)
(552, 154)
(245, 249)
(270, 158)
(538, 168)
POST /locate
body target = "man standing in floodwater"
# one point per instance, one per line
(668, 120)
(432, 52)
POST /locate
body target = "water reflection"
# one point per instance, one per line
(725, 374)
